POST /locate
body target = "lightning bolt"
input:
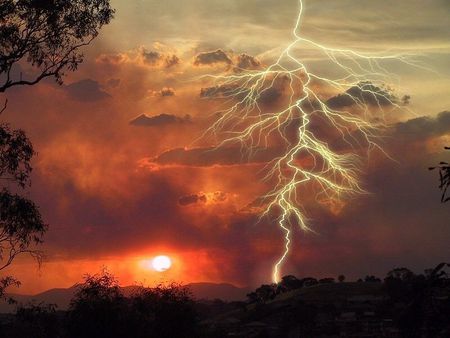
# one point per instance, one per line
(307, 161)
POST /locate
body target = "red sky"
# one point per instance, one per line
(117, 192)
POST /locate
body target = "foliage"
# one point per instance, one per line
(97, 310)
(402, 274)
(6, 282)
(16, 152)
(46, 34)
(289, 283)
(418, 304)
(444, 178)
(21, 224)
(327, 280)
(263, 294)
(372, 279)
(425, 308)
(36, 320)
(154, 309)
(100, 309)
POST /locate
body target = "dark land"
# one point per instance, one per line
(402, 304)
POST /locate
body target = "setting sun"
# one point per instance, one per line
(161, 263)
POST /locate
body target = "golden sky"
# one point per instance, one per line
(118, 187)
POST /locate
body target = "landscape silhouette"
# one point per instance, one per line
(87, 176)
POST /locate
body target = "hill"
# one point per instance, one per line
(62, 296)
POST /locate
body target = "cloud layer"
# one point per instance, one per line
(144, 120)
(117, 187)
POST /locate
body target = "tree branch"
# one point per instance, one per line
(4, 107)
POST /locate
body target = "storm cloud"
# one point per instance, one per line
(211, 58)
(144, 120)
(206, 157)
(86, 90)
(245, 61)
(156, 58)
(364, 93)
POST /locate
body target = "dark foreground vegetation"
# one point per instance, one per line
(404, 304)
(444, 179)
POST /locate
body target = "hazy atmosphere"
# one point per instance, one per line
(122, 173)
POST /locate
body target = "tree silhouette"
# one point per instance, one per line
(48, 35)
(21, 224)
(415, 304)
(424, 310)
(165, 311)
(100, 309)
(444, 178)
(263, 294)
(289, 283)
(403, 274)
(372, 279)
(35, 320)
(328, 280)
(309, 281)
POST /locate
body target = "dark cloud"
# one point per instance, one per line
(219, 196)
(205, 157)
(218, 91)
(164, 92)
(269, 97)
(151, 57)
(245, 61)
(86, 90)
(424, 127)
(216, 197)
(365, 93)
(210, 58)
(167, 91)
(278, 88)
(144, 120)
(171, 60)
(406, 99)
(241, 62)
(192, 199)
(155, 58)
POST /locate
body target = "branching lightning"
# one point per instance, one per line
(308, 161)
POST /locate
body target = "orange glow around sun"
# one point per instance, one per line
(134, 268)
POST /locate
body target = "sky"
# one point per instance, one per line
(121, 174)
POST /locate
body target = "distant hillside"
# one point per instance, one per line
(227, 292)
(333, 293)
(321, 309)
(61, 297)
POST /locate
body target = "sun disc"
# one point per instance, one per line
(161, 263)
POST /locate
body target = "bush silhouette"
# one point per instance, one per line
(100, 309)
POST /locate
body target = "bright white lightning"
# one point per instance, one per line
(307, 159)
